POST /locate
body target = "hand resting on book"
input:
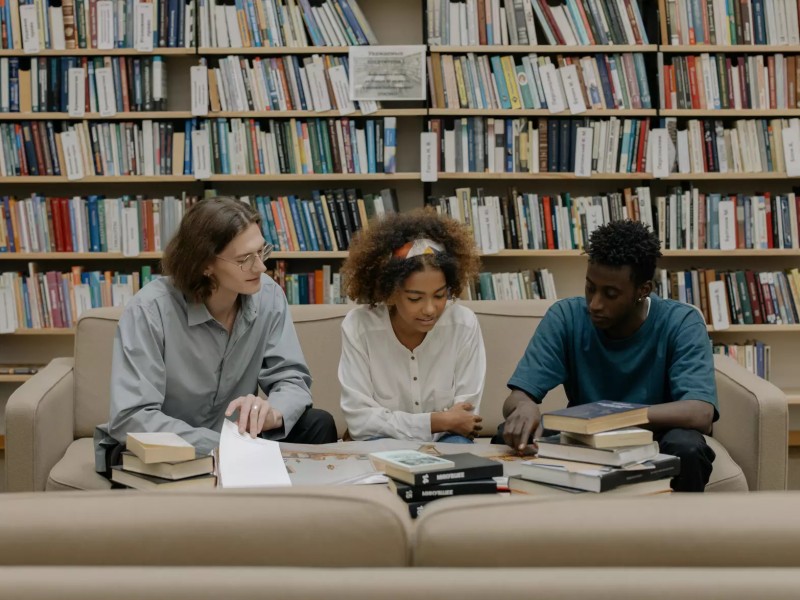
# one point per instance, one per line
(521, 422)
(255, 415)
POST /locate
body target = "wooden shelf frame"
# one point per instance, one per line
(545, 49)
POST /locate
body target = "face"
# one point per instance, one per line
(611, 295)
(421, 300)
(227, 269)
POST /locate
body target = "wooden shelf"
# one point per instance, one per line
(730, 112)
(725, 176)
(792, 396)
(107, 179)
(540, 112)
(319, 177)
(758, 329)
(14, 378)
(794, 438)
(745, 48)
(542, 49)
(548, 176)
(705, 253)
(279, 50)
(132, 116)
(95, 52)
(279, 114)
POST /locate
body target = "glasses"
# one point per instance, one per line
(249, 261)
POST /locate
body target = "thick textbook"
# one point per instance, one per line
(596, 417)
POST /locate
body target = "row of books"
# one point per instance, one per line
(773, 22)
(75, 24)
(321, 286)
(534, 82)
(248, 146)
(528, 284)
(314, 83)
(503, 22)
(736, 297)
(523, 145)
(91, 148)
(77, 85)
(755, 356)
(748, 146)
(722, 81)
(328, 221)
(290, 23)
(690, 220)
(128, 224)
(56, 300)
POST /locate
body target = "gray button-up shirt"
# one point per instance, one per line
(175, 368)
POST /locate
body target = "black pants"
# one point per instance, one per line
(315, 426)
(697, 458)
(689, 445)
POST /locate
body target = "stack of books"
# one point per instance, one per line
(163, 460)
(420, 478)
(598, 449)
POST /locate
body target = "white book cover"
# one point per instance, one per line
(718, 302)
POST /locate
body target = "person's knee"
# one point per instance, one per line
(688, 445)
(323, 422)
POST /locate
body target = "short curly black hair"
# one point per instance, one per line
(626, 243)
(371, 274)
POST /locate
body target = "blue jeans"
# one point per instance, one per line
(454, 438)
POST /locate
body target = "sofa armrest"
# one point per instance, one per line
(753, 424)
(39, 426)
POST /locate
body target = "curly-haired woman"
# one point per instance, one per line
(413, 362)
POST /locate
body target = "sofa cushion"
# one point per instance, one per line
(94, 343)
(672, 530)
(309, 526)
(75, 471)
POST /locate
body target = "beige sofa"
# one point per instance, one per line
(335, 544)
(51, 418)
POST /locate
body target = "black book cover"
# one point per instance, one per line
(594, 410)
(468, 467)
(410, 493)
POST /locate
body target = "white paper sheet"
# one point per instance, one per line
(245, 462)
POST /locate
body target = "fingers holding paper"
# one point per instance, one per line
(255, 415)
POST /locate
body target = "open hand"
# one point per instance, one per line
(255, 415)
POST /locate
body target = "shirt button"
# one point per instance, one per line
(415, 378)
(417, 403)
(413, 358)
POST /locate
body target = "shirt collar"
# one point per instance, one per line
(197, 312)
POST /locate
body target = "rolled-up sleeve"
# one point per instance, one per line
(284, 376)
(138, 382)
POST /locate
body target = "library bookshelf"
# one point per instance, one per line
(406, 22)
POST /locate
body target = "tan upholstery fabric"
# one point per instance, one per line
(94, 343)
(38, 426)
(676, 530)
(75, 471)
(314, 527)
(726, 475)
(754, 422)
(247, 583)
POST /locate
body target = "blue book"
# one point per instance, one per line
(67, 305)
(323, 225)
(94, 225)
(370, 127)
(26, 301)
(502, 89)
(188, 127)
(259, 200)
(72, 227)
(353, 22)
(273, 230)
(298, 223)
(309, 222)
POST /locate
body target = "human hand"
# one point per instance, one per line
(460, 420)
(255, 415)
(520, 424)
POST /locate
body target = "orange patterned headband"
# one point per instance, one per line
(417, 248)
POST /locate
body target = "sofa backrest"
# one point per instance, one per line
(309, 526)
(506, 326)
